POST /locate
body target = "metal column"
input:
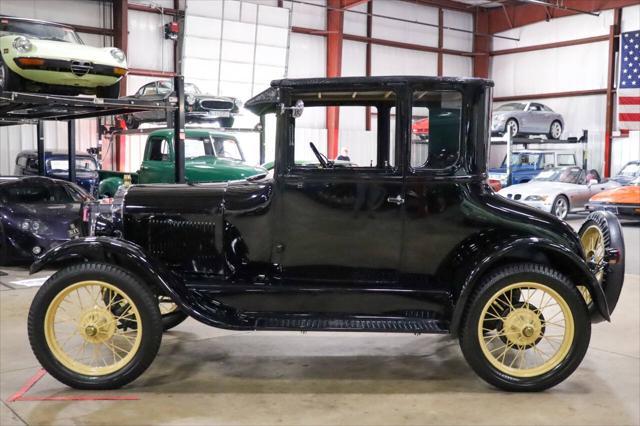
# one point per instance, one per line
(40, 142)
(263, 141)
(71, 149)
(178, 129)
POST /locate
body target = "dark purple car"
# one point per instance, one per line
(37, 213)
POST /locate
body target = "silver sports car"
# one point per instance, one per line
(526, 119)
(559, 190)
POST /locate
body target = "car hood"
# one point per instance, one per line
(56, 217)
(51, 49)
(234, 169)
(620, 195)
(538, 188)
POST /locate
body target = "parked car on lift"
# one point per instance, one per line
(41, 56)
(559, 190)
(56, 165)
(277, 252)
(526, 164)
(36, 214)
(210, 156)
(628, 173)
(623, 201)
(529, 118)
(199, 107)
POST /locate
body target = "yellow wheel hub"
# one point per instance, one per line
(522, 327)
(526, 329)
(592, 242)
(93, 328)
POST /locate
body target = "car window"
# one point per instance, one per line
(523, 159)
(158, 149)
(366, 139)
(78, 194)
(21, 161)
(32, 163)
(436, 129)
(165, 87)
(83, 164)
(35, 193)
(566, 160)
(149, 90)
(535, 107)
(567, 175)
(228, 148)
(546, 108)
(198, 147)
(549, 159)
(631, 169)
(513, 106)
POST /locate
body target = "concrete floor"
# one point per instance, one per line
(207, 376)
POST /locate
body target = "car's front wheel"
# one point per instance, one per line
(512, 127)
(9, 81)
(109, 92)
(526, 328)
(94, 326)
(560, 207)
(555, 130)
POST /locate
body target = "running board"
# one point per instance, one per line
(387, 325)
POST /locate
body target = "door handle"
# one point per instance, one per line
(398, 200)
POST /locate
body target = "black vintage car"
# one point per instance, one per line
(37, 213)
(199, 107)
(394, 242)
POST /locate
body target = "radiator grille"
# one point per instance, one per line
(81, 68)
(214, 104)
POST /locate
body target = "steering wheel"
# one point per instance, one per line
(321, 158)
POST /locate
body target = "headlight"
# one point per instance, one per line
(190, 99)
(22, 44)
(29, 225)
(536, 198)
(118, 55)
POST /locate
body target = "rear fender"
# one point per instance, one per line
(473, 264)
(133, 258)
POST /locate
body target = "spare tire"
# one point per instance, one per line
(602, 240)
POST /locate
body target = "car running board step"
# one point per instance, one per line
(394, 325)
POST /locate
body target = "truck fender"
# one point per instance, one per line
(134, 259)
(526, 249)
(109, 186)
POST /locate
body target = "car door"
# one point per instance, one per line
(158, 165)
(340, 227)
(149, 92)
(536, 118)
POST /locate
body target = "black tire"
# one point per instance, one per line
(4, 248)
(512, 123)
(109, 92)
(561, 207)
(125, 282)
(226, 122)
(173, 318)
(612, 276)
(9, 81)
(131, 121)
(553, 133)
(491, 285)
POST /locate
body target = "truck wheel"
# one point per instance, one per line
(600, 234)
(171, 314)
(560, 208)
(528, 344)
(9, 81)
(87, 343)
(109, 92)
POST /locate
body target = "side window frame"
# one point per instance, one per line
(395, 170)
(162, 140)
(459, 162)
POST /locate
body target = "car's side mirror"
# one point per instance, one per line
(593, 182)
(296, 110)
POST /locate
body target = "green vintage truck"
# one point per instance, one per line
(210, 156)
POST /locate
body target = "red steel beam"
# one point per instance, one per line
(481, 44)
(346, 4)
(566, 43)
(444, 4)
(614, 33)
(525, 14)
(94, 30)
(569, 94)
(335, 20)
(151, 73)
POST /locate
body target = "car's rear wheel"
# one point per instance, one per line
(9, 81)
(512, 127)
(526, 328)
(171, 313)
(94, 326)
(555, 130)
(109, 92)
(131, 121)
(560, 207)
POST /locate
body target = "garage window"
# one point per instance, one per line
(435, 129)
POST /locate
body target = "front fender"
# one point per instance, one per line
(473, 263)
(133, 258)
(109, 186)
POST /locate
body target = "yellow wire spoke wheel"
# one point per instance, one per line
(526, 329)
(593, 244)
(93, 328)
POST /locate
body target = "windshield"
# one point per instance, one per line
(632, 169)
(212, 147)
(568, 175)
(83, 164)
(191, 89)
(515, 106)
(39, 30)
(522, 159)
(228, 148)
(165, 87)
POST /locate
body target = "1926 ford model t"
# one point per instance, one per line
(407, 237)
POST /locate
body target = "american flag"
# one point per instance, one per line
(629, 82)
